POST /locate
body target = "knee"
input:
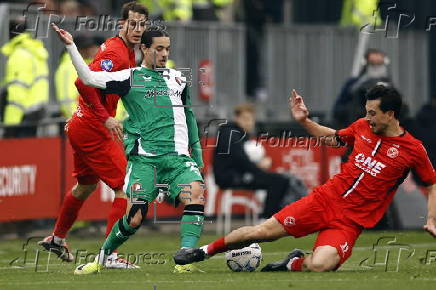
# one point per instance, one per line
(193, 195)
(318, 267)
(136, 220)
(325, 258)
(83, 191)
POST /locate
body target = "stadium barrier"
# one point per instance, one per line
(35, 177)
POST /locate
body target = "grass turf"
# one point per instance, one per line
(412, 271)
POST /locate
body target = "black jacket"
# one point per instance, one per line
(230, 160)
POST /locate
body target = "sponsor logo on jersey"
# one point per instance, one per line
(178, 81)
(368, 164)
(392, 152)
(147, 78)
(106, 64)
(162, 92)
(289, 221)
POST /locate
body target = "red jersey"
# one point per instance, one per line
(367, 182)
(113, 55)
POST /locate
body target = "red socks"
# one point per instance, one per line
(216, 247)
(297, 265)
(68, 215)
(118, 210)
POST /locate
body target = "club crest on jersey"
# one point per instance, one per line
(106, 65)
(289, 221)
(392, 152)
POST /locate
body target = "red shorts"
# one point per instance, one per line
(313, 213)
(96, 155)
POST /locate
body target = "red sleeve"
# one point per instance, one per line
(423, 167)
(109, 60)
(346, 136)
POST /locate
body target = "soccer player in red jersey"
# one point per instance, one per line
(354, 199)
(94, 135)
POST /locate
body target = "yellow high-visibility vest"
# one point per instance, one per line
(66, 91)
(170, 9)
(359, 12)
(26, 77)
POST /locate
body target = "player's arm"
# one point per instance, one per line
(191, 122)
(301, 115)
(99, 79)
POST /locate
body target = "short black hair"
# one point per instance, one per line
(153, 31)
(390, 99)
(134, 7)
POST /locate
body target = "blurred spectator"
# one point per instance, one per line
(350, 104)
(65, 75)
(255, 14)
(425, 128)
(26, 87)
(88, 8)
(240, 164)
(359, 12)
(69, 8)
(185, 10)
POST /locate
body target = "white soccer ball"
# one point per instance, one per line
(244, 260)
(254, 150)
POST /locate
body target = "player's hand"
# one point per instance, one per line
(64, 35)
(430, 227)
(114, 127)
(298, 108)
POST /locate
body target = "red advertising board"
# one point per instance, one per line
(35, 174)
(29, 178)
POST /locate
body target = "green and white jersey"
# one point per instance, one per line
(160, 119)
(157, 103)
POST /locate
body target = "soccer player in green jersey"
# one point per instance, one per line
(160, 130)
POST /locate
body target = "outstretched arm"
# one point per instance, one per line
(301, 115)
(96, 79)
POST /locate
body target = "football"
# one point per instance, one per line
(244, 260)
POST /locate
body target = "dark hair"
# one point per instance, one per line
(134, 7)
(239, 109)
(153, 31)
(390, 99)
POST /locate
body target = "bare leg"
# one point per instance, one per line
(268, 231)
(323, 259)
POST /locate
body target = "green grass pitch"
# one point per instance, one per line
(410, 264)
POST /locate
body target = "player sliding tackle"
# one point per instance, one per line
(354, 199)
(158, 133)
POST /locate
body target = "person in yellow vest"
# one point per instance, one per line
(26, 80)
(359, 12)
(185, 10)
(65, 75)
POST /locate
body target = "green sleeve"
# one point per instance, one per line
(194, 139)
